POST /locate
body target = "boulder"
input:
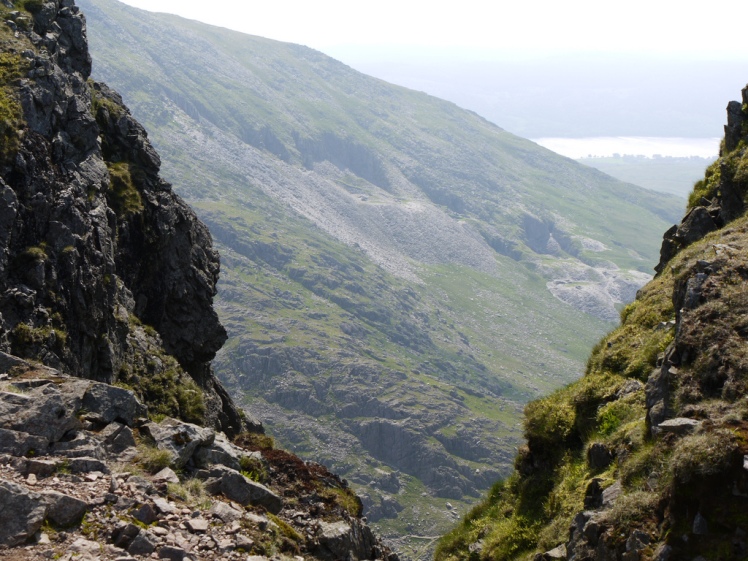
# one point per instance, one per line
(612, 493)
(21, 515)
(172, 553)
(235, 487)
(224, 512)
(63, 510)
(17, 443)
(166, 475)
(143, 544)
(343, 540)
(221, 451)
(179, 438)
(105, 404)
(599, 456)
(117, 439)
(43, 412)
(679, 426)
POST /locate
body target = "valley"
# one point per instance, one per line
(399, 276)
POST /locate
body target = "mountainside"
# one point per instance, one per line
(646, 457)
(395, 269)
(114, 433)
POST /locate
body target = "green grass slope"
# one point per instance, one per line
(393, 268)
(643, 458)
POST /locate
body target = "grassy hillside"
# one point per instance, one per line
(395, 269)
(644, 456)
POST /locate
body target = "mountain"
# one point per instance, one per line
(116, 440)
(645, 456)
(399, 275)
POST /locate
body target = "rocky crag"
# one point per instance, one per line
(114, 433)
(646, 457)
(102, 264)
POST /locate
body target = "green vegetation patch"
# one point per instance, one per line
(123, 194)
(12, 68)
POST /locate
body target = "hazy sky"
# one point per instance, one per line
(642, 26)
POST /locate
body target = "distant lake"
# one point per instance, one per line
(605, 146)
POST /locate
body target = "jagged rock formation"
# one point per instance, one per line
(99, 259)
(645, 458)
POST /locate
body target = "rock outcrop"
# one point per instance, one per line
(84, 474)
(101, 263)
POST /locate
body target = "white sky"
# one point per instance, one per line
(665, 27)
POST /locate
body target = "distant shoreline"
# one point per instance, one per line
(645, 146)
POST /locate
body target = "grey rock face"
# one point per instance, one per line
(21, 514)
(78, 258)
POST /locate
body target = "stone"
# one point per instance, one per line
(662, 553)
(106, 404)
(141, 484)
(164, 506)
(599, 456)
(179, 438)
(700, 525)
(679, 426)
(143, 544)
(118, 439)
(611, 494)
(43, 411)
(243, 542)
(637, 541)
(63, 510)
(172, 553)
(557, 552)
(593, 495)
(591, 531)
(124, 535)
(40, 467)
(18, 443)
(145, 514)
(224, 512)
(343, 540)
(235, 487)
(221, 451)
(226, 545)
(21, 515)
(81, 445)
(166, 475)
(82, 546)
(86, 465)
(197, 525)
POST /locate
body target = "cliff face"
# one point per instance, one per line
(646, 457)
(101, 264)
